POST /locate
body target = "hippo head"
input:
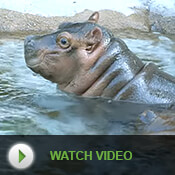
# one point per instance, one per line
(65, 57)
(82, 58)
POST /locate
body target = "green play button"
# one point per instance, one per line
(21, 156)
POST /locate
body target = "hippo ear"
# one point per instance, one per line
(94, 17)
(94, 36)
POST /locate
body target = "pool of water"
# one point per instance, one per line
(30, 104)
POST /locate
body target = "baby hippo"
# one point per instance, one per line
(86, 59)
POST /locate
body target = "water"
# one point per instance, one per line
(30, 104)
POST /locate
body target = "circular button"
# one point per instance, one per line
(21, 156)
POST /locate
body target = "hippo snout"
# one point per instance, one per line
(30, 51)
(29, 44)
(28, 39)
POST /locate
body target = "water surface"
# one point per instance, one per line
(30, 104)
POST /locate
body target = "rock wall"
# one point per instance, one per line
(146, 17)
(16, 22)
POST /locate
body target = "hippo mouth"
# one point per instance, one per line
(34, 63)
(37, 60)
(41, 69)
(40, 64)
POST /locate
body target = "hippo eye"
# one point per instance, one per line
(64, 43)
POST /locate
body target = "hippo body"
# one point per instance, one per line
(87, 60)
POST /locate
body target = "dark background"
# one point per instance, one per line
(153, 155)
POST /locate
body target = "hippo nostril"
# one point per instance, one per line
(29, 47)
(29, 40)
(29, 44)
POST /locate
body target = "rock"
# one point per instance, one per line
(16, 22)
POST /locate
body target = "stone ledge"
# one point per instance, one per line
(12, 21)
(142, 20)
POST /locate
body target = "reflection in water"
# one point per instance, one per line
(30, 104)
